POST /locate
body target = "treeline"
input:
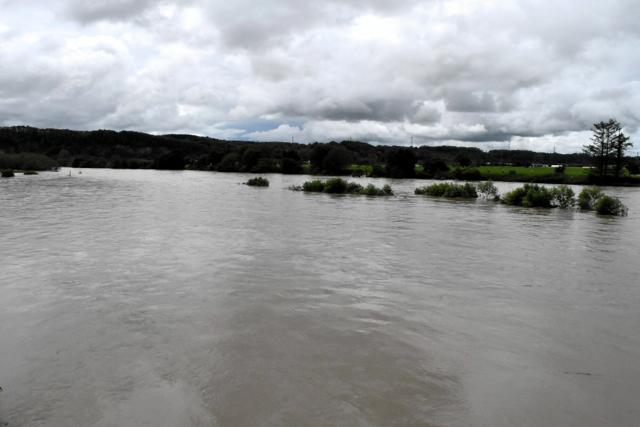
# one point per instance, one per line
(136, 150)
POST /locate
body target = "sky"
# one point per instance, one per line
(526, 74)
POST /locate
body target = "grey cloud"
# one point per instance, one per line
(454, 71)
(426, 114)
(471, 102)
(254, 25)
(97, 10)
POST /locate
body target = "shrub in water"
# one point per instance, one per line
(335, 186)
(30, 173)
(354, 188)
(340, 186)
(447, 189)
(515, 196)
(607, 205)
(529, 196)
(563, 197)
(7, 173)
(488, 190)
(258, 182)
(372, 190)
(588, 197)
(315, 186)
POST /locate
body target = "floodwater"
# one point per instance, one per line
(133, 298)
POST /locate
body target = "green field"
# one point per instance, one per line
(503, 171)
(365, 170)
(576, 172)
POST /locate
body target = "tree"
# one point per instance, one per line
(620, 144)
(607, 139)
(463, 160)
(401, 163)
(250, 158)
(337, 160)
(172, 161)
(318, 153)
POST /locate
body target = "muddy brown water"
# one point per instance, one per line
(132, 298)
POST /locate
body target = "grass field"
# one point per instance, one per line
(502, 171)
(576, 172)
(570, 174)
(365, 170)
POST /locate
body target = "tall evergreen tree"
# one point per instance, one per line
(602, 147)
(621, 144)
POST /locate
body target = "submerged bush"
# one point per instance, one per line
(563, 197)
(353, 187)
(608, 205)
(488, 190)
(588, 197)
(258, 182)
(7, 173)
(315, 186)
(529, 196)
(340, 186)
(335, 186)
(372, 190)
(448, 189)
(592, 198)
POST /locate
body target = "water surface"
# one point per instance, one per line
(133, 298)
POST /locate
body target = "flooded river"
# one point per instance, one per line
(132, 298)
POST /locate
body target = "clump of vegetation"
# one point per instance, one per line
(608, 205)
(314, 186)
(340, 186)
(449, 189)
(588, 197)
(335, 186)
(258, 182)
(488, 190)
(372, 190)
(7, 173)
(30, 173)
(563, 197)
(592, 198)
(529, 196)
(353, 187)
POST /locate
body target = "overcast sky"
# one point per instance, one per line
(532, 73)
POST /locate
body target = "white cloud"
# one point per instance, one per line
(459, 71)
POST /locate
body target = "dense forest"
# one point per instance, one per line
(38, 149)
